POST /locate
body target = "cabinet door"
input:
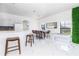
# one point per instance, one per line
(18, 27)
(25, 25)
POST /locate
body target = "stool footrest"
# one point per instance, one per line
(13, 47)
(13, 50)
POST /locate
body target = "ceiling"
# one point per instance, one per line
(38, 10)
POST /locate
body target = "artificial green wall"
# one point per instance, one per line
(75, 25)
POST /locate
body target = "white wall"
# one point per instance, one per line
(10, 19)
(62, 16)
(7, 19)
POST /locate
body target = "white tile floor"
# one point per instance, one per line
(61, 46)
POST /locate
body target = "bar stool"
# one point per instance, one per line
(12, 39)
(29, 39)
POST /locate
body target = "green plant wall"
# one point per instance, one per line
(75, 25)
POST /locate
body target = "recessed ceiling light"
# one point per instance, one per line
(34, 11)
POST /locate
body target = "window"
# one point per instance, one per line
(65, 27)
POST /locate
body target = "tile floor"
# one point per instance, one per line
(54, 46)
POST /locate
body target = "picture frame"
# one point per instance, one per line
(51, 25)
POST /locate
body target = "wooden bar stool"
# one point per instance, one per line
(12, 39)
(29, 39)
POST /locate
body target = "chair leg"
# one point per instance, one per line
(33, 39)
(19, 46)
(31, 44)
(26, 42)
(6, 48)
